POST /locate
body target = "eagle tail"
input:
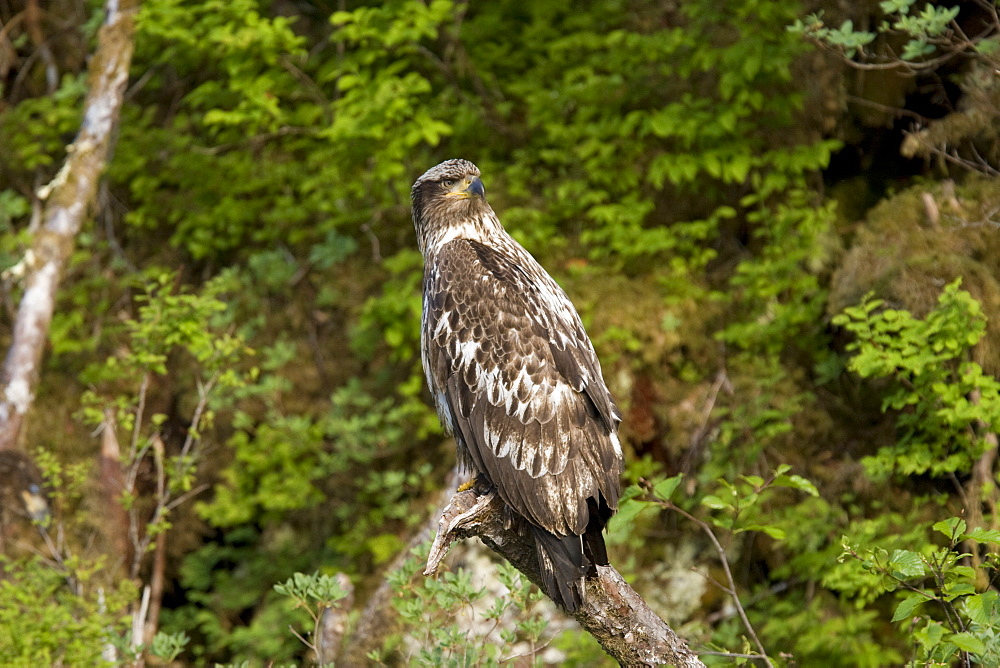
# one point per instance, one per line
(565, 561)
(562, 566)
(594, 550)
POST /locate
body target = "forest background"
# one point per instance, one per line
(781, 228)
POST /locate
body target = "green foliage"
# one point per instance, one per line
(35, 133)
(167, 325)
(820, 630)
(232, 609)
(925, 37)
(846, 38)
(452, 621)
(322, 591)
(677, 104)
(316, 594)
(944, 402)
(731, 506)
(247, 47)
(50, 616)
(733, 509)
(169, 646)
(12, 206)
(925, 32)
(168, 322)
(674, 147)
(279, 465)
(326, 126)
(735, 503)
(937, 596)
(781, 286)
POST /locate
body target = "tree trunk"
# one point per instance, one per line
(67, 200)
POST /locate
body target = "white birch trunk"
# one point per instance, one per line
(66, 201)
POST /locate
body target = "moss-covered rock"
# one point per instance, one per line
(914, 243)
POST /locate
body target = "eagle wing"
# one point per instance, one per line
(517, 381)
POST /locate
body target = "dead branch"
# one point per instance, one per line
(112, 484)
(67, 199)
(612, 611)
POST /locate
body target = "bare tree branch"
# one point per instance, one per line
(67, 199)
(612, 611)
(112, 483)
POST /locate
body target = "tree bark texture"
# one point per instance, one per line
(66, 201)
(612, 611)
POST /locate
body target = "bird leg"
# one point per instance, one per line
(463, 511)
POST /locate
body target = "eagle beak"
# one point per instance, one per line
(468, 189)
(476, 188)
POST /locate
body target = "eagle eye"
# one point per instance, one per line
(448, 183)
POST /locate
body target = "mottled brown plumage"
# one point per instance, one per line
(515, 378)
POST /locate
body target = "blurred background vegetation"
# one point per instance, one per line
(779, 219)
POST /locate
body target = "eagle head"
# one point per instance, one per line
(449, 201)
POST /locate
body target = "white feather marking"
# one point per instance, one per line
(506, 447)
(560, 395)
(522, 378)
(492, 439)
(508, 399)
(528, 455)
(489, 382)
(616, 443)
(467, 229)
(442, 325)
(467, 352)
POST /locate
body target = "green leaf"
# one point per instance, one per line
(712, 501)
(982, 608)
(738, 168)
(628, 511)
(983, 535)
(931, 635)
(774, 532)
(907, 606)
(665, 488)
(796, 482)
(952, 528)
(954, 591)
(968, 643)
(905, 564)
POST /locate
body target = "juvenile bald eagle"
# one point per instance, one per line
(516, 379)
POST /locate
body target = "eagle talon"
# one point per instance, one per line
(467, 485)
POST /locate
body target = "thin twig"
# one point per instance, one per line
(729, 576)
